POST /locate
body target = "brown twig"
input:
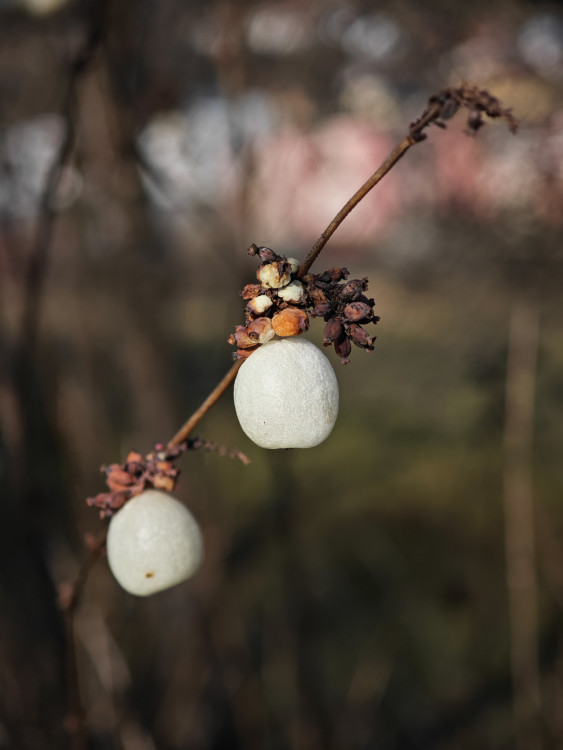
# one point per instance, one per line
(358, 196)
(210, 401)
(441, 107)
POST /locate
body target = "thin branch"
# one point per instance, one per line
(441, 106)
(210, 401)
(358, 196)
(415, 135)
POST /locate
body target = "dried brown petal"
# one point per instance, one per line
(244, 353)
(163, 482)
(267, 255)
(290, 322)
(357, 311)
(334, 274)
(319, 311)
(318, 297)
(250, 291)
(117, 479)
(333, 331)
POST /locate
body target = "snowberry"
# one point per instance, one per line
(153, 543)
(286, 395)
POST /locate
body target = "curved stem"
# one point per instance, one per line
(210, 401)
(358, 196)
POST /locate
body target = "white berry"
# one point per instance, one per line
(153, 543)
(286, 395)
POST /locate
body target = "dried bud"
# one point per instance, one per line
(324, 308)
(353, 289)
(267, 255)
(274, 275)
(244, 353)
(250, 291)
(241, 338)
(290, 322)
(357, 312)
(260, 330)
(259, 305)
(334, 275)
(360, 336)
(343, 347)
(292, 293)
(117, 479)
(318, 297)
(333, 331)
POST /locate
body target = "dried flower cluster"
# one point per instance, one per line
(280, 305)
(443, 106)
(156, 471)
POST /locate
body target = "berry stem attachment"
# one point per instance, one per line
(202, 410)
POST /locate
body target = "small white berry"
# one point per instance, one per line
(286, 395)
(153, 543)
(293, 292)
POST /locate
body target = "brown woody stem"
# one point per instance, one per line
(415, 135)
(358, 196)
(210, 401)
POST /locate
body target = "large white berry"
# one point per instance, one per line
(286, 395)
(153, 543)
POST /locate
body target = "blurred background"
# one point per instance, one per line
(399, 586)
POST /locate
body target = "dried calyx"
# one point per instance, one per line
(281, 303)
(156, 471)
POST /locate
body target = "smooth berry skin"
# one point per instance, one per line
(153, 543)
(286, 395)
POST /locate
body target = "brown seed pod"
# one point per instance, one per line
(290, 322)
(357, 312)
(343, 347)
(360, 336)
(260, 330)
(353, 289)
(333, 331)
